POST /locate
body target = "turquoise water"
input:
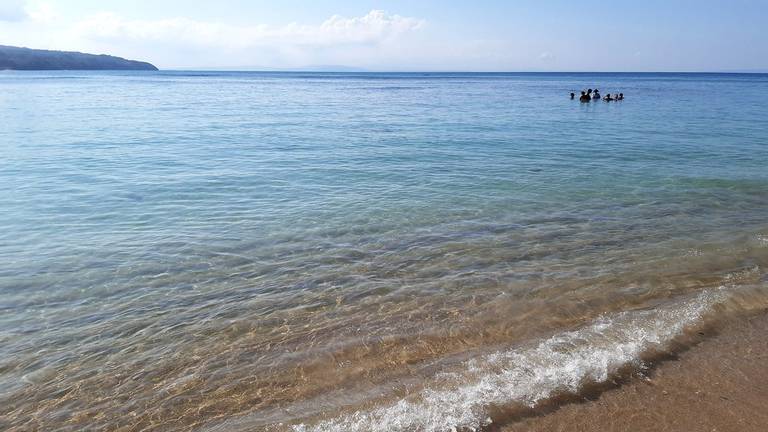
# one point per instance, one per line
(288, 250)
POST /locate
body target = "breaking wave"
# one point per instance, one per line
(561, 364)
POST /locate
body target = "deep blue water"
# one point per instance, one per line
(150, 218)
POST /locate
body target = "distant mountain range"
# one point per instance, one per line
(747, 71)
(15, 58)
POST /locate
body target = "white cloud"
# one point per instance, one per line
(376, 40)
(40, 12)
(374, 28)
(12, 10)
(183, 42)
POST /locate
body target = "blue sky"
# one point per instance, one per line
(522, 35)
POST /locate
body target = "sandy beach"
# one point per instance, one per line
(719, 384)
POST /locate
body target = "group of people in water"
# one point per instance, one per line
(591, 95)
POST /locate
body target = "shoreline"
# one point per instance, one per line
(717, 384)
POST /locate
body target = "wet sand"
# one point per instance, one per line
(719, 384)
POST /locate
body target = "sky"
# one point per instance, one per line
(400, 35)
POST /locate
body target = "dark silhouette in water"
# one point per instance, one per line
(590, 95)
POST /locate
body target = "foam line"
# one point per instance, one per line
(560, 364)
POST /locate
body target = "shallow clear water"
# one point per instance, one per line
(239, 251)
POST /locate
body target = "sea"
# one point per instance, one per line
(250, 251)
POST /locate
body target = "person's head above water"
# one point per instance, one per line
(589, 91)
(573, 95)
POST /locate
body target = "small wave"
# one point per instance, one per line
(561, 364)
(393, 88)
(58, 77)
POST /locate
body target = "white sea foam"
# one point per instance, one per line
(528, 375)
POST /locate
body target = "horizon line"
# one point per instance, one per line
(365, 71)
(353, 70)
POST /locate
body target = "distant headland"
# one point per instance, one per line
(15, 58)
